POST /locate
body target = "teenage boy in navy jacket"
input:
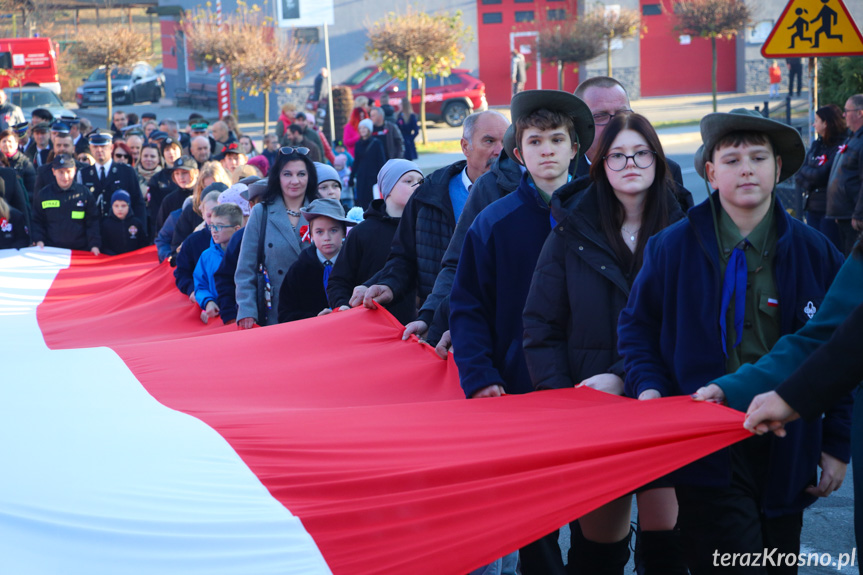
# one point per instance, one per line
(498, 258)
(716, 291)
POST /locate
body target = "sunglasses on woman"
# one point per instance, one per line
(121, 156)
(287, 151)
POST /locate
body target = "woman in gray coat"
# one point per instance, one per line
(292, 184)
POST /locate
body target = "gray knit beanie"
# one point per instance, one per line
(392, 172)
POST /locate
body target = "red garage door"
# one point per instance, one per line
(669, 67)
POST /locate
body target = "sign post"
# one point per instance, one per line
(812, 29)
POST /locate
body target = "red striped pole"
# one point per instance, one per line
(224, 89)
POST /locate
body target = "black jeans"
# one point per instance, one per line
(718, 522)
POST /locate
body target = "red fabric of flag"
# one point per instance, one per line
(368, 438)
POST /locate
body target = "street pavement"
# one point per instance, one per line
(829, 524)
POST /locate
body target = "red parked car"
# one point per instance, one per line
(448, 98)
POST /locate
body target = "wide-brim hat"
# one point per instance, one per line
(255, 190)
(525, 103)
(509, 143)
(328, 208)
(786, 141)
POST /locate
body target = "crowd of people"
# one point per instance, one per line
(562, 251)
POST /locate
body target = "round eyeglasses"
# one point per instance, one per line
(641, 159)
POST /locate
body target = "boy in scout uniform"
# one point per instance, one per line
(65, 215)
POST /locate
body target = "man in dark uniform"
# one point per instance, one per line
(58, 129)
(22, 130)
(78, 140)
(106, 177)
(40, 144)
(65, 214)
(62, 145)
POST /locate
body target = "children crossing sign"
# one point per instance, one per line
(814, 28)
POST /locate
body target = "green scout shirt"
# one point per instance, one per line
(761, 317)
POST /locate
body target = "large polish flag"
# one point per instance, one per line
(136, 440)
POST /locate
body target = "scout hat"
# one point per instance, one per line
(525, 103)
(509, 143)
(786, 141)
(256, 189)
(326, 207)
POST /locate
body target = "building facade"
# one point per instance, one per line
(658, 62)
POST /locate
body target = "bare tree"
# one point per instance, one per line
(568, 43)
(268, 63)
(415, 44)
(26, 8)
(711, 19)
(213, 45)
(613, 25)
(115, 47)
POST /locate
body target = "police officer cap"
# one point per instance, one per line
(42, 127)
(99, 139)
(70, 120)
(21, 128)
(186, 163)
(62, 161)
(157, 136)
(60, 128)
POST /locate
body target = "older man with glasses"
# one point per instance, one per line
(606, 97)
(845, 188)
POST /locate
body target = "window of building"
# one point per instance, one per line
(651, 10)
(492, 18)
(492, 1)
(556, 14)
(524, 15)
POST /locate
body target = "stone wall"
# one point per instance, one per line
(630, 77)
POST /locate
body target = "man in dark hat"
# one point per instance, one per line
(716, 291)
(496, 267)
(65, 214)
(22, 129)
(58, 128)
(40, 144)
(62, 145)
(78, 140)
(105, 177)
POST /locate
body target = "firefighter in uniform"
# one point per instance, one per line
(106, 177)
(65, 214)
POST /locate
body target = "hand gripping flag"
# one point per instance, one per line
(138, 440)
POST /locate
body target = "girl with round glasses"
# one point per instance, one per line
(277, 232)
(580, 285)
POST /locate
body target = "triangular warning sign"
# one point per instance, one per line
(813, 28)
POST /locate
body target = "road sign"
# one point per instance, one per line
(814, 28)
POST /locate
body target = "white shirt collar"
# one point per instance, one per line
(107, 166)
(465, 180)
(323, 260)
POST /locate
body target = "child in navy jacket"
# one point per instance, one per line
(304, 290)
(122, 232)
